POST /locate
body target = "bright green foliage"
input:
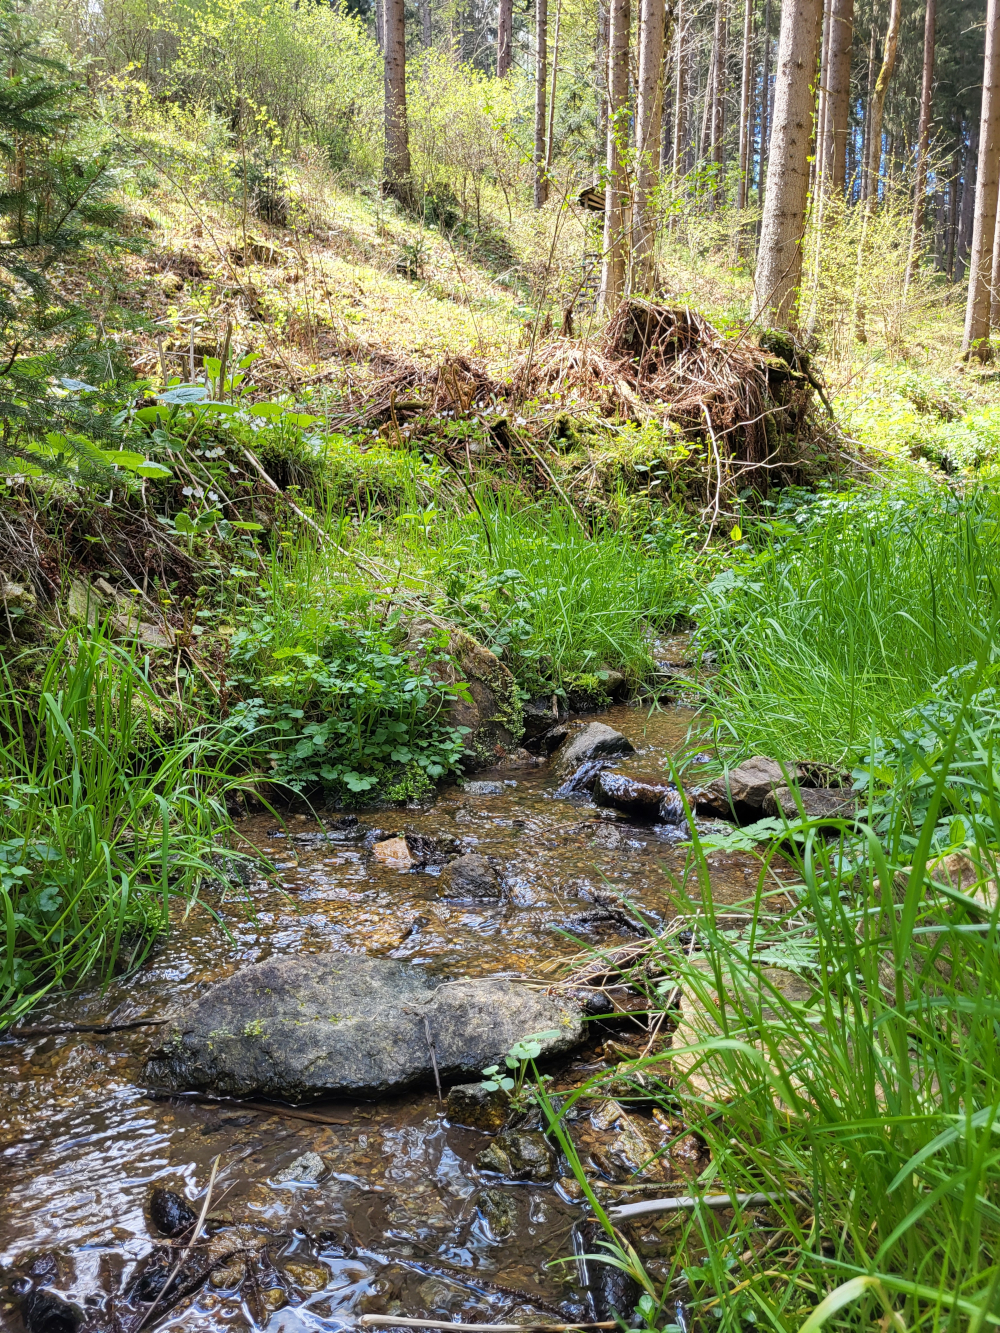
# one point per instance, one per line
(59, 373)
(102, 821)
(343, 705)
(838, 614)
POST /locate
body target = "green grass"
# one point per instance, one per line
(103, 820)
(836, 618)
(867, 1105)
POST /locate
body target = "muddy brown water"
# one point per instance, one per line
(403, 1222)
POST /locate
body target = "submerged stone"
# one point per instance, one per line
(470, 876)
(633, 796)
(519, 1154)
(170, 1212)
(305, 1170)
(594, 741)
(477, 1107)
(349, 1025)
(394, 852)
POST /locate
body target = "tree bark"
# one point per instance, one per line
(818, 184)
(838, 94)
(718, 126)
(765, 103)
(745, 91)
(878, 99)
(680, 93)
(923, 145)
(397, 173)
(616, 198)
(550, 132)
(505, 36)
(649, 108)
(779, 258)
(380, 24)
(977, 312)
(867, 125)
(541, 69)
(601, 78)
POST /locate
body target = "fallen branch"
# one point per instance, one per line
(398, 1321)
(687, 1201)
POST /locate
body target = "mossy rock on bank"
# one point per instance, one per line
(488, 706)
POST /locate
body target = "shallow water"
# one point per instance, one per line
(403, 1222)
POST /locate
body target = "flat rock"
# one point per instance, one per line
(337, 1025)
(817, 802)
(394, 852)
(633, 796)
(748, 783)
(305, 1170)
(483, 788)
(594, 741)
(469, 876)
(519, 1154)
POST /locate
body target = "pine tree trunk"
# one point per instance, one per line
(667, 84)
(878, 99)
(601, 78)
(616, 199)
(541, 72)
(680, 93)
(380, 24)
(550, 132)
(923, 145)
(397, 143)
(745, 94)
(649, 108)
(718, 129)
(977, 312)
(867, 127)
(779, 258)
(765, 103)
(966, 204)
(818, 182)
(838, 94)
(505, 36)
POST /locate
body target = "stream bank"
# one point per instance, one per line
(401, 1219)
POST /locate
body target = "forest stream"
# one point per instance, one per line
(401, 1220)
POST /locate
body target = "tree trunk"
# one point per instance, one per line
(977, 311)
(745, 92)
(819, 159)
(541, 71)
(667, 84)
(878, 99)
(550, 133)
(505, 36)
(649, 107)
(601, 78)
(779, 259)
(838, 94)
(616, 198)
(397, 143)
(765, 102)
(718, 128)
(923, 145)
(966, 205)
(867, 127)
(680, 93)
(380, 24)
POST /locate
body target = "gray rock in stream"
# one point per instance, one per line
(346, 1025)
(594, 741)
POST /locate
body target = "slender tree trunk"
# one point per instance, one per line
(923, 145)
(838, 94)
(505, 36)
(966, 204)
(550, 134)
(745, 98)
(765, 103)
(953, 215)
(541, 71)
(667, 85)
(601, 78)
(995, 272)
(867, 128)
(708, 112)
(779, 258)
(977, 312)
(649, 107)
(878, 99)
(397, 143)
(819, 157)
(380, 24)
(680, 92)
(616, 201)
(718, 130)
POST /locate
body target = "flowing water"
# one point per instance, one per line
(402, 1221)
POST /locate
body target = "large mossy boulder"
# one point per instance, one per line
(346, 1025)
(488, 706)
